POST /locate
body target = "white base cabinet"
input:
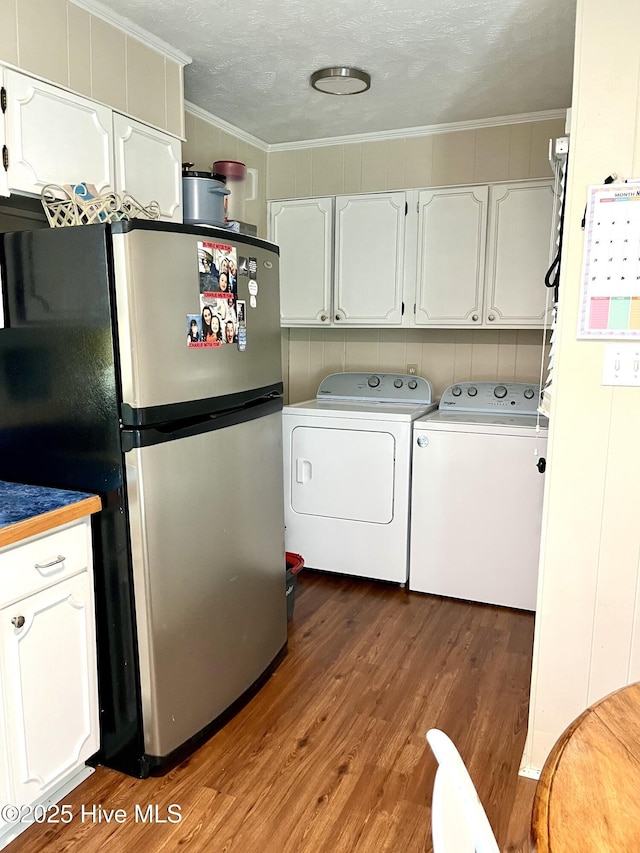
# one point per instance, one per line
(49, 723)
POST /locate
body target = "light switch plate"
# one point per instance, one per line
(621, 364)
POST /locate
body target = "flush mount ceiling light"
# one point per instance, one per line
(340, 80)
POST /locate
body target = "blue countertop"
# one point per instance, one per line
(20, 503)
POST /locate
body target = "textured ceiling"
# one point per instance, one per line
(431, 61)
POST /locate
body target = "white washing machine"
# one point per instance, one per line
(477, 491)
(347, 473)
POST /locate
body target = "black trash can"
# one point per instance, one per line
(294, 564)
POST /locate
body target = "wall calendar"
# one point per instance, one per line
(610, 288)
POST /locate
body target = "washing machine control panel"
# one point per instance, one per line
(517, 398)
(383, 387)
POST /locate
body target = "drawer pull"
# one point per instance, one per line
(18, 621)
(42, 567)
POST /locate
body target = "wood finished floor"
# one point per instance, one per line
(330, 756)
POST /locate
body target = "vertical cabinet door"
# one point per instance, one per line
(4, 151)
(369, 259)
(303, 229)
(48, 671)
(520, 229)
(452, 226)
(148, 166)
(55, 137)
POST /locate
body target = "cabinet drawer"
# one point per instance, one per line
(43, 560)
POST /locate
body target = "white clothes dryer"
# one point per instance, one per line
(347, 473)
(477, 494)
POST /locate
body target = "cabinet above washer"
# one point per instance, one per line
(483, 252)
(458, 257)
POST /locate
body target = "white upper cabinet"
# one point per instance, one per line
(369, 259)
(482, 255)
(55, 137)
(518, 253)
(4, 151)
(303, 229)
(341, 260)
(452, 226)
(148, 165)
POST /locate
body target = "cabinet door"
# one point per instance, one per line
(4, 179)
(303, 230)
(520, 226)
(148, 166)
(369, 264)
(55, 137)
(48, 671)
(452, 227)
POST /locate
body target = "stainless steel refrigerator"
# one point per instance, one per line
(116, 378)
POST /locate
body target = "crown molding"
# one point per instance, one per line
(226, 126)
(128, 27)
(427, 130)
(403, 133)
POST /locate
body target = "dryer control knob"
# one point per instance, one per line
(500, 392)
(472, 390)
(456, 390)
(528, 393)
(397, 383)
(373, 381)
(412, 384)
(422, 441)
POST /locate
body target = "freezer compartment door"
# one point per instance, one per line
(158, 282)
(207, 535)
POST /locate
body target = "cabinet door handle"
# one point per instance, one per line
(338, 317)
(474, 317)
(18, 621)
(324, 318)
(42, 567)
(491, 317)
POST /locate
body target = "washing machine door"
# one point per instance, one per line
(343, 473)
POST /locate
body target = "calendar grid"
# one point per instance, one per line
(610, 283)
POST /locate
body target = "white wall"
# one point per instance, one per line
(587, 638)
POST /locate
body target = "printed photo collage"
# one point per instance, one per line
(222, 316)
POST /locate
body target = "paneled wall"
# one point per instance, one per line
(587, 637)
(67, 45)
(206, 143)
(443, 356)
(500, 153)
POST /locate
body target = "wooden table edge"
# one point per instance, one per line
(540, 811)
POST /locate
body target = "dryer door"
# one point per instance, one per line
(343, 473)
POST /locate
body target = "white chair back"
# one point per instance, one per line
(459, 823)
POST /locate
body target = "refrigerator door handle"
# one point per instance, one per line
(303, 470)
